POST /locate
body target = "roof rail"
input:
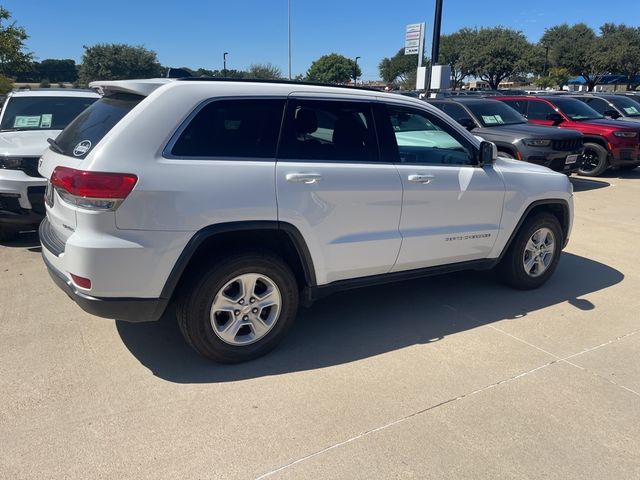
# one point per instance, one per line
(286, 82)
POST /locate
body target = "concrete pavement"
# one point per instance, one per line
(449, 377)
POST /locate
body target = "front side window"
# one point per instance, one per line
(423, 139)
(42, 113)
(232, 128)
(329, 131)
(539, 110)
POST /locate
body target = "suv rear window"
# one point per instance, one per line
(86, 131)
(42, 113)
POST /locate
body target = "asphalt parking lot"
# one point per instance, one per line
(448, 377)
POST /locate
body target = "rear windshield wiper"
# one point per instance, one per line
(55, 146)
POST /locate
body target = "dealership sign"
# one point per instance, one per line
(414, 39)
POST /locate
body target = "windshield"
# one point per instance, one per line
(90, 126)
(42, 113)
(493, 113)
(575, 109)
(630, 107)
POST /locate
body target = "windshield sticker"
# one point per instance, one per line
(631, 110)
(32, 121)
(82, 148)
(46, 120)
(492, 119)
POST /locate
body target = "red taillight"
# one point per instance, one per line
(93, 184)
(81, 281)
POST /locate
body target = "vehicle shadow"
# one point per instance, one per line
(28, 240)
(586, 184)
(631, 174)
(357, 324)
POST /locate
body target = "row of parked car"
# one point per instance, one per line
(593, 131)
(237, 200)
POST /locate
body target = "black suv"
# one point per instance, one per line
(496, 122)
(613, 106)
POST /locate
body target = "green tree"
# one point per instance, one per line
(264, 71)
(117, 61)
(457, 50)
(333, 68)
(57, 70)
(573, 47)
(618, 50)
(500, 53)
(6, 85)
(13, 56)
(398, 68)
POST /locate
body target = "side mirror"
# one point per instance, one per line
(556, 118)
(488, 153)
(611, 114)
(467, 123)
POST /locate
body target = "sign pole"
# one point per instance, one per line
(435, 44)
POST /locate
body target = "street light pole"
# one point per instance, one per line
(289, 33)
(224, 64)
(435, 43)
(355, 72)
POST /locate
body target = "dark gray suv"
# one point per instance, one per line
(558, 149)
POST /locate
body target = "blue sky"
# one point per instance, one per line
(196, 33)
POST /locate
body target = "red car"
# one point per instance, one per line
(606, 142)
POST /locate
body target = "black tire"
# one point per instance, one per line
(197, 293)
(511, 268)
(595, 160)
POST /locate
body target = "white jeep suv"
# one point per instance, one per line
(28, 118)
(239, 200)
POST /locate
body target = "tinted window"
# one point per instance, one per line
(518, 105)
(575, 109)
(598, 104)
(539, 110)
(330, 131)
(630, 107)
(492, 113)
(42, 113)
(425, 140)
(453, 110)
(232, 128)
(86, 131)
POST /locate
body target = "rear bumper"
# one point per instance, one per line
(127, 309)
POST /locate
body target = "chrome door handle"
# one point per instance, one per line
(307, 178)
(420, 178)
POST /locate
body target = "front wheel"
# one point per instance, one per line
(238, 308)
(534, 253)
(595, 160)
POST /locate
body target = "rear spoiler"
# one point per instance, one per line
(137, 87)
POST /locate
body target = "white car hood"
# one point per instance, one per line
(518, 165)
(27, 143)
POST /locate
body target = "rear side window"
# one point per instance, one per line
(519, 105)
(86, 131)
(232, 128)
(42, 113)
(329, 131)
(539, 111)
(454, 111)
(598, 104)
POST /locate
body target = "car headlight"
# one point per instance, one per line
(536, 142)
(626, 134)
(10, 162)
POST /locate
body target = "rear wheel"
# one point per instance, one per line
(595, 160)
(534, 253)
(238, 308)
